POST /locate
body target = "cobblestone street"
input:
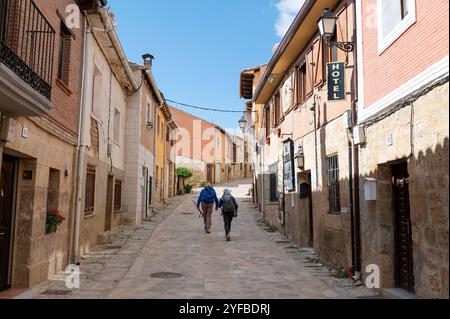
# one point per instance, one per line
(258, 263)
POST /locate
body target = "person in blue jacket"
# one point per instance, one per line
(207, 199)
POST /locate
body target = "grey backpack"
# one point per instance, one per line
(228, 205)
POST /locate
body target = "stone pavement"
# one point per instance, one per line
(171, 257)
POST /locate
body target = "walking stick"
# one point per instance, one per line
(201, 213)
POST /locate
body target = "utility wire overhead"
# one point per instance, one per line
(204, 108)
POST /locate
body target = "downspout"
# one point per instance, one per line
(163, 175)
(154, 181)
(81, 143)
(357, 208)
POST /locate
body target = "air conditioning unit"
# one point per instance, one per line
(359, 135)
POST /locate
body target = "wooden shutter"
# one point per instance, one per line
(296, 101)
(302, 82)
(318, 61)
(342, 32)
(267, 111)
(89, 197)
(309, 72)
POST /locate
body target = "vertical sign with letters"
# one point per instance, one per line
(336, 81)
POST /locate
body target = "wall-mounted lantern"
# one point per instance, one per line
(300, 158)
(242, 124)
(327, 26)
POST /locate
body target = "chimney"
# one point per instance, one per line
(148, 60)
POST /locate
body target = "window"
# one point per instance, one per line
(117, 126)
(267, 111)
(334, 197)
(117, 195)
(301, 83)
(89, 198)
(394, 18)
(65, 42)
(277, 109)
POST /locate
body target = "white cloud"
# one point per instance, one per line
(288, 10)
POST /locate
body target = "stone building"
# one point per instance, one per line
(205, 148)
(403, 135)
(39, 109)
(371, 171)
(165, 126)
(108, 84)
(140, 147)
(292, 112)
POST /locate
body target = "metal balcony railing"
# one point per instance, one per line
(27, 42)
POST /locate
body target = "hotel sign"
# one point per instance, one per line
(336, 81)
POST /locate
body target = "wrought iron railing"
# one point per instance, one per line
(27, 42)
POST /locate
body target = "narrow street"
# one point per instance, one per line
(171, 257)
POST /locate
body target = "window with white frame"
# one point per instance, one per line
(394, 18)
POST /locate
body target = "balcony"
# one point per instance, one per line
(27, 43)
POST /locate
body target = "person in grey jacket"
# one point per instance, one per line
(229, 211)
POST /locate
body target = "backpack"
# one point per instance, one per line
(208, 195)
(227, 204)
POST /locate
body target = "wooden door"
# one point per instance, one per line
(7, 192)
(404, 247)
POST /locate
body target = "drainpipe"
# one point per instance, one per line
(357, 212)
(81, 141)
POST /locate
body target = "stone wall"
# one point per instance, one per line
(420, 136)
(93, 225)
(36, 254)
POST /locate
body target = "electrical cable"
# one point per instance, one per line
(204, 108)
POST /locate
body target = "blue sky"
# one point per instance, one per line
(201, 46)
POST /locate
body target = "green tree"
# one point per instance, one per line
(184, 173)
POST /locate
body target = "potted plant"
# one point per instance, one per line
(54, 218)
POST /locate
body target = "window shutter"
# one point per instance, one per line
(309, 72)
(318, 61)
(295, 87)
(342, 32)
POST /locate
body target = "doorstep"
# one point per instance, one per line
(397, 293)
(12, 293)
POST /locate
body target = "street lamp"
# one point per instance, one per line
(327, 27)
(242, 123)
(300, 158)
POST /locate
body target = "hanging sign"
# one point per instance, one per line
(288, 160)
(336, 81)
